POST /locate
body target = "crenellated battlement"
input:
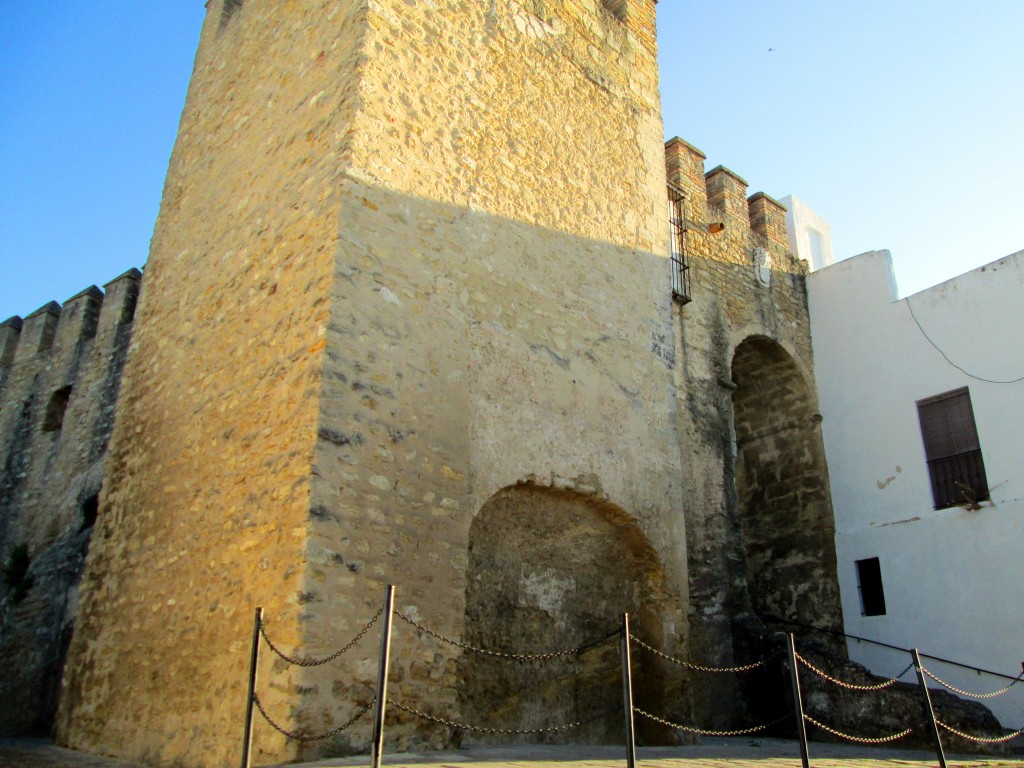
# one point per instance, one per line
(60, 375)
(62, 327)
(768, 217)
(720, 195)
(430, 261)
(78, 317)
(38, 331)
(10, 332)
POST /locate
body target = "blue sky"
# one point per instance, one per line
(900, 122)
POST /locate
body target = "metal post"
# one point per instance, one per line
(382, 676)
(627, 693)
(929, 712)
(254, 660)
(798, 700)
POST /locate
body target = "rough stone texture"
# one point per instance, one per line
(758, 516)
(408, 320)
(569, 593)
(493, 310)
(409, 255)
(882, 713)
(784, 501)
(207, 509)
(59, 376)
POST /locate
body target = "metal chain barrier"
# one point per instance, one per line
(860, 739)
(502, 731)
(980, 739)
(522, 657)
(698, 667)
(260, 631)
(707, 732)
(326, 660)
(973, 695)
(302, 737)
(853, 686)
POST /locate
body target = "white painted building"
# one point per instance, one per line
(930, 551)
(810, 236)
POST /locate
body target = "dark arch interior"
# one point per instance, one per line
(782, 486)
(551, 571)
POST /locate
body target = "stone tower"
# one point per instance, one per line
(405, 320)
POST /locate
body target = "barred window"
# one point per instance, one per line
(677, 244)
(952, 449)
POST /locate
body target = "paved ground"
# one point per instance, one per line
(712, 753)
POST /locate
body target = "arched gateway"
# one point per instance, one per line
(782, 486)
(552, 570)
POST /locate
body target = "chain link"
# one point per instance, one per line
(973, 695)
(503, 731)
(860, 739)
(853, 686)
(698, 667)
(303, 737)
(510, 656)
(707, 732)
(980, 739)
(326, 660)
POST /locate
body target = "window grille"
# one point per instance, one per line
(952, 449)
(677, 244)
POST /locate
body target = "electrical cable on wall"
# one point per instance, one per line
(946, 357)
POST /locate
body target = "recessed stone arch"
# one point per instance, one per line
(552, 570)
(788, 530)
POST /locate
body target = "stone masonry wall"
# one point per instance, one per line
(207, 507)
(411, 258)
(59, 377)
(484, 186)
(733, 303)
(501, 285)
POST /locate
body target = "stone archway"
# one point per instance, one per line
(788, 531)
(551, 570)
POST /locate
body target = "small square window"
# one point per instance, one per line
(869, 584)
(53, 420)
(228, 10)
(618, 8)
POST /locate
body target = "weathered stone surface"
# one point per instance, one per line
(408, 320)
(536, 588)
(409, 255)
(59, 378)
(758, 515)
(891, 710)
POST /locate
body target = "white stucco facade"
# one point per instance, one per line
(953, 578)
(810, 236)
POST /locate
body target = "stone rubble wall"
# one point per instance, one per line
(52, 465)
(730, 304)
(412, 258)
(207, 508)
(382, 226)
(501, 285)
